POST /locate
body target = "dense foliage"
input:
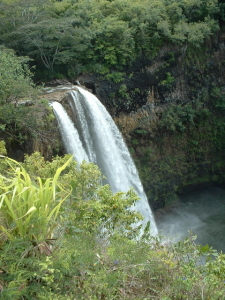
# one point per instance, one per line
(19, 101)
(65, 236)
(15, 77)
(15, 82)
(65, 38)
(62, 234)
(187, 151)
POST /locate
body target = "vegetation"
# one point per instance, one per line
(187, 150)
(62, 234)
(25, 205)
(65, 38)
(18, 101)
(62, 246)
(15, 77)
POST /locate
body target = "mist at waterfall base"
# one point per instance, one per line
(93, 136)
(200, 212)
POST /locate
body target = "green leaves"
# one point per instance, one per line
(30, 210)
(48, 41)
(15, 77)
(91, 207)
(84, 265)
(66, 37)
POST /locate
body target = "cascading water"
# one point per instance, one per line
(105, 147)
(81, 121)
(69, 133)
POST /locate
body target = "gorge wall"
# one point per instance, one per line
(170, 111)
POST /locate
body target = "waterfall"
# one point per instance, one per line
(69, 133)
(105, 147)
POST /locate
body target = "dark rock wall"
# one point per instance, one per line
(170, 111)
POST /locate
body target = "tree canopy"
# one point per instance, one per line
(68, 37)
(15, 77)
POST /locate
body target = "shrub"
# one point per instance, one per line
(28, 210)
(82, 264)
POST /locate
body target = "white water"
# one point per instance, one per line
(105, 147)
(69, 134)
(81, 121)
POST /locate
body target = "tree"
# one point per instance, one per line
(47, 41)
(15, 77)
(66, 38)
(16, 121)
(14, 14)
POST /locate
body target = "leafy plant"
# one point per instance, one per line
(83, 264)
(15, 77)
(123, 91)
(115, 76)
(2, 148)
(29, 211)
(90, 202)
(168, 81)
(178, 117)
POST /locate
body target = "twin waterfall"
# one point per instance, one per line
(94, 137)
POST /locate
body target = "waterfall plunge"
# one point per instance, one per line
(104, 146)
(69, 134)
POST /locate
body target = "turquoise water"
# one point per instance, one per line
(203, 213)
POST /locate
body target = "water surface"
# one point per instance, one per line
(203, 213)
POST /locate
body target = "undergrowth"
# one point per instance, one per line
(95, 251)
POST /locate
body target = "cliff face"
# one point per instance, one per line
(171, 113)
(35, 129)
(177, 75)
